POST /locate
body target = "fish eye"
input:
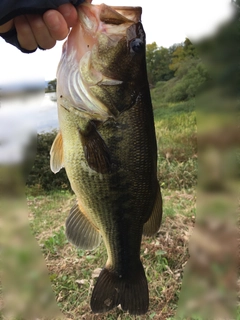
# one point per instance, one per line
(136, 45)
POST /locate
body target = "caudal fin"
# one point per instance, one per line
(130, 292)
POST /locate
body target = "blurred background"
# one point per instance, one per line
(193, 70)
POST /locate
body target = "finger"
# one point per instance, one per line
(6, 26)
(40, 31)
(69, 13)
(24, 33)
(56, 24)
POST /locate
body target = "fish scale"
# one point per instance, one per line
(107, 145)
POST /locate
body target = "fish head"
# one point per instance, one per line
(105, 60)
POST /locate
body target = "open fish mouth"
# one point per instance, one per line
(96, 22)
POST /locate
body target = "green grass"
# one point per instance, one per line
(46, 216)
(56, 241)
(73, 272)
(176, 131)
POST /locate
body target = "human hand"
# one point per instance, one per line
(35, 30)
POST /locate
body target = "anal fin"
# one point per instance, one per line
(95, 149)
(80, 231)
(56, 154)
(152, 226)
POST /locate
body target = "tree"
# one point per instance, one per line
(151, 58)
(188, 73)
(163, 72)
(158, 60)
(52, 85)
(183, 51)
(177, 57)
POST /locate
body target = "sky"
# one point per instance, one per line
(168, 22)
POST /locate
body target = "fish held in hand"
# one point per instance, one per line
(107, 145)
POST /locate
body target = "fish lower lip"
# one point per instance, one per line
(71, 108)
(65, 108)
(68, 106)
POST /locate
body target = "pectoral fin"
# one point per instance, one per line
(95, 149)
(80, 231)
(153, 224)
(56, 154)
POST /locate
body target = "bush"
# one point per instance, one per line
(189, 78)
(177, 172)
(41, 176)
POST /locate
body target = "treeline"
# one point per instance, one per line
(176, 72)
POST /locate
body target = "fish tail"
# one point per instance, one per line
(130, 292)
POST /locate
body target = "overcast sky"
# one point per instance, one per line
(166, 23)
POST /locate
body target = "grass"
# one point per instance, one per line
(73, 272)
(176, 133)
(56, 241)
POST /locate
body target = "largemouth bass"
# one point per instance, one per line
(107, 145)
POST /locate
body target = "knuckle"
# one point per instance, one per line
(38, 24)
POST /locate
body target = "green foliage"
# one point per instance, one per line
(177, 73)
(189, 77)
(41, 175)
(52, 86)
(158, 60)
(53, 243)
(182, 53)
(221, 55)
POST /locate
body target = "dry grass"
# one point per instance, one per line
(73, 272)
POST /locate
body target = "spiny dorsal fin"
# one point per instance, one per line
(152, 226)
(80, 231)
(56, 154)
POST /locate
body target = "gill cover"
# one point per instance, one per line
(77, 75)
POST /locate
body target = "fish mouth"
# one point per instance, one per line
(94, 21)
(111, 20)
